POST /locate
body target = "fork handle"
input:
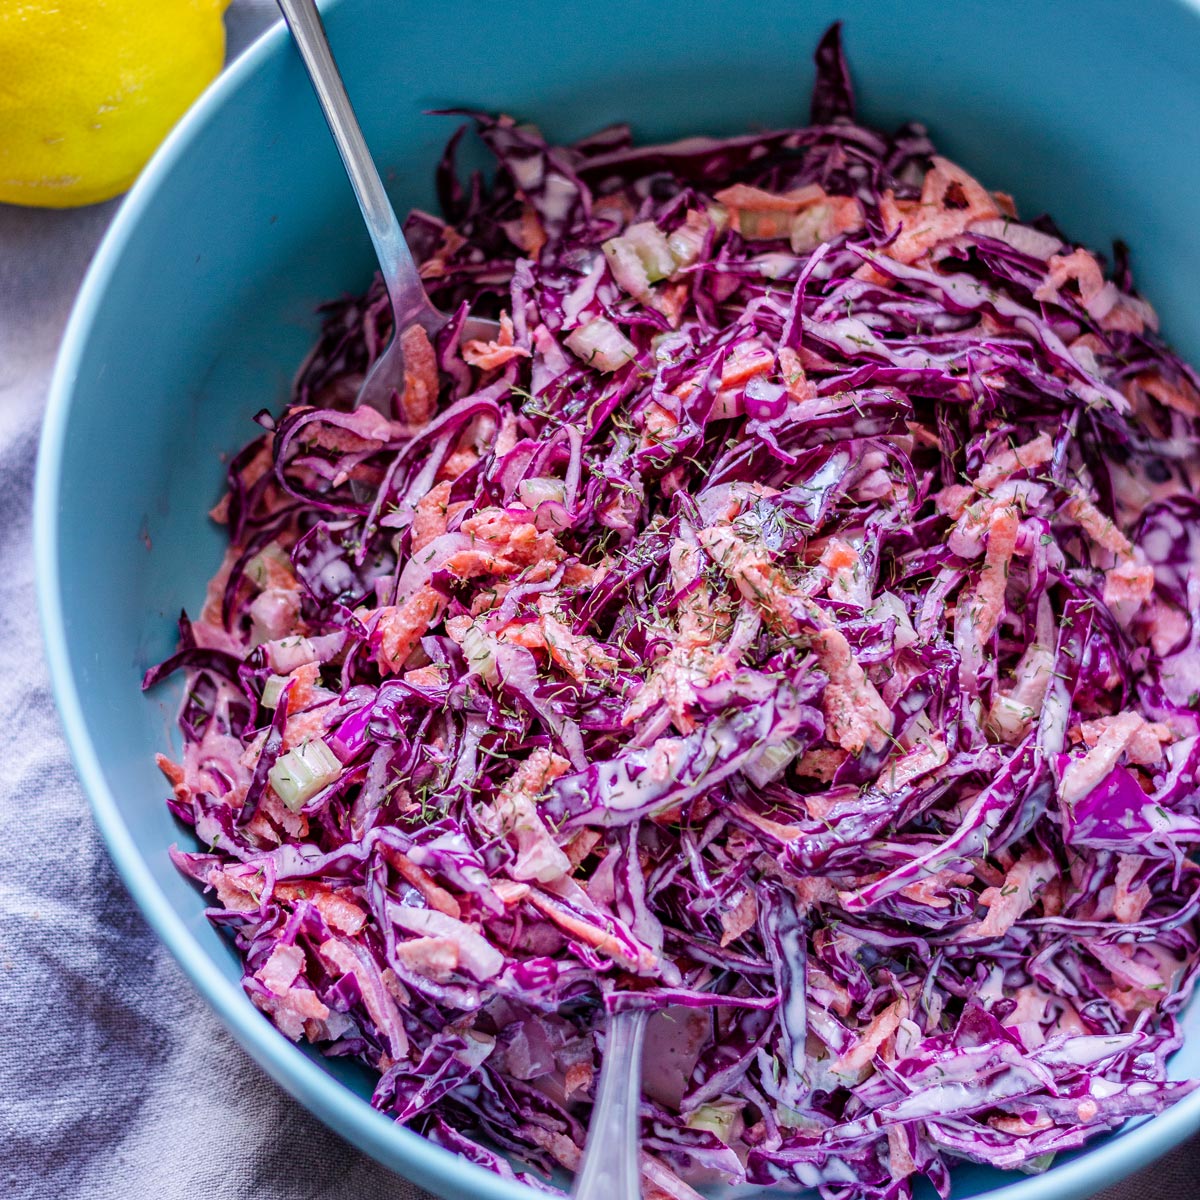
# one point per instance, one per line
(404, 286)
(611, 1160)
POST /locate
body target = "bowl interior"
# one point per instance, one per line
(202, 303)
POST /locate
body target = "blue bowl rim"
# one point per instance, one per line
(337, 1106)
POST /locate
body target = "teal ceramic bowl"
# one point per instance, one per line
(200, 305)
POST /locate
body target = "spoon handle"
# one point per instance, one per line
(405, 289)
(610, 1161)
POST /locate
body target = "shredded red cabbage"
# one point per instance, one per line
(790, 623)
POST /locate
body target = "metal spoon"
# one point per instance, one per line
(611, 1168)
(410, 305)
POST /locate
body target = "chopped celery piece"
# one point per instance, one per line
(889, 604)
(272, 690)
(479, 648)
(300, 774)
(715, 1118)
(626, 267)
(601, 345)
(685, 247)
(639, 257)
(257, 568)
(771, 761)
(649, 243)
(808, 227)
(687, 241)
(533, 492)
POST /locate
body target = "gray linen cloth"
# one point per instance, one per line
(116, 1081)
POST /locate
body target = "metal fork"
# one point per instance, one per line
(410, 305)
